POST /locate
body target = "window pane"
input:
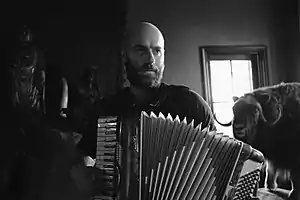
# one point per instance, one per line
(224, 115)
(221, 80)
(228, 78)
(223, 111)
(242, 77)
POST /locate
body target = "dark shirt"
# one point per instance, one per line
(169, 99)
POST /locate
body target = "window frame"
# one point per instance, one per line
(257, 55)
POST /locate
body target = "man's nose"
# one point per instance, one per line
(150, 57)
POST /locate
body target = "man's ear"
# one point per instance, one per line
(123, 56)
(124, 70)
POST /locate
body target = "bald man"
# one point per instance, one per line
(144, 56)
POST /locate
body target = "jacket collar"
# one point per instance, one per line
(161, 94)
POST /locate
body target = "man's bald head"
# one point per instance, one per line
(144, 55)
(143, 32)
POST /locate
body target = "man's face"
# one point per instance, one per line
(145, 61)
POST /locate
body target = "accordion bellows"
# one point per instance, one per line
(177, 160)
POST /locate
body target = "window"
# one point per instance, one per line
(228, 72)
(228, 78)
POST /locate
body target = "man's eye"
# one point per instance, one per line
(157, 52)
(141, 51)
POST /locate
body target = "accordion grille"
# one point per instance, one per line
(178, 161)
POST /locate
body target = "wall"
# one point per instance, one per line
(194, 23)
(77, 36)
(290, 38)
(72, 35)
(297, 49)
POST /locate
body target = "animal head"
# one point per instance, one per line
(260, 106)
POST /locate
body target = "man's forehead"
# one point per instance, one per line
(144, 43)
(145, 35)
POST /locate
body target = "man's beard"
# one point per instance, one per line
(146, 76)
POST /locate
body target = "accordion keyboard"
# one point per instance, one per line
(108, 156)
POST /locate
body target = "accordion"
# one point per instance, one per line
(158, 157)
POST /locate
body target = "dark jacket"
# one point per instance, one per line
(170, 99)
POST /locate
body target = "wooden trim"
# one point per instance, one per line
(206, 86)
(257, 55)
(229, 57)
(233, 49)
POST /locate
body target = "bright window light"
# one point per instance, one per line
(228, 78)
